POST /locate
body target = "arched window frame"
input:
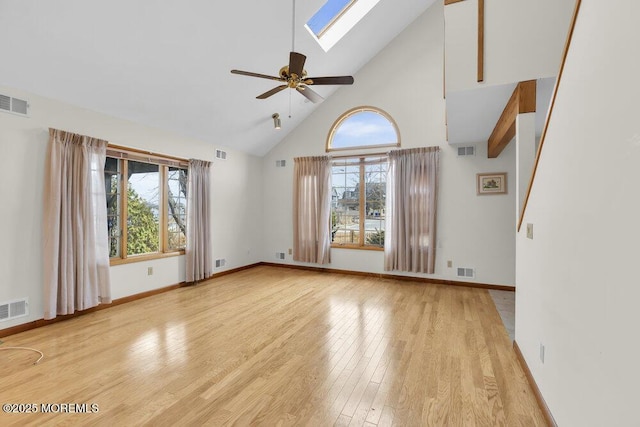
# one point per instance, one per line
(352, 112)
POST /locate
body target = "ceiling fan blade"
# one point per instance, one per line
(337, 80)
(262, 76)
(296, 63)
(309, 94)
(272, 92)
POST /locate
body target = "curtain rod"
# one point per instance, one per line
(352, 156)
(145, 152)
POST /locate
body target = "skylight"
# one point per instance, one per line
(336, 18)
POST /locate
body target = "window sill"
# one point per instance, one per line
(145, 257)
(361, 248)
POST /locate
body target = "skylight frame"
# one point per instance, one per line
(341, 23)
(333, 20)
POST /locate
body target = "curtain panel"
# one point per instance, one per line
(311, 209)
(198, 256)
(75, 243)
(412, 188)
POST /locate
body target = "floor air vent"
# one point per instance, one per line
(14, 105)
(12, 309)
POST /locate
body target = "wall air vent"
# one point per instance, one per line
(222, 155)
(467, 151)
(14, 105)
(281, 163)
(465, 272)
(279, 255)
(221, 262)
(12, 309)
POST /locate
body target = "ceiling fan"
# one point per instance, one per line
(294, 76)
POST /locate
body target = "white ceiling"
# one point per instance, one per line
(473, 114)
(166, 63)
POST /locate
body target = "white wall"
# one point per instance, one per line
(524, 40)
(23, 142)
(578, 287)
(405, 80)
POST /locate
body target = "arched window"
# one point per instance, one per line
(363, 127)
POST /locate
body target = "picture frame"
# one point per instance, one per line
(491, 183)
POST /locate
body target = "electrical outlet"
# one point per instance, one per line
(149, 271)
(529, 231)
(449, 264)
(542, 352)
(290, 251)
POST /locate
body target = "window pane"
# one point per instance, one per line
(345, 204)
(177, 208)
(112, 190)
(375, 198)
(364, 127)
(327, 12)
(143, 195)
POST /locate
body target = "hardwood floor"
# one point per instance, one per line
(273, 346)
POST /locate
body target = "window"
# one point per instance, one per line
(336, 18)
(363, 127)
(146, 205)
(358, 198)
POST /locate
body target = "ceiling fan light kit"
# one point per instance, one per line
(276, 121)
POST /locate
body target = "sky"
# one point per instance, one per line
(326, 13)
(364, 129)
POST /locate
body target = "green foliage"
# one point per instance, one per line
(143, 230)
(376, 238)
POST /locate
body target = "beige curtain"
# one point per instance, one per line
(311, 209)
(412, 187)
(75, 246)
(198, 251)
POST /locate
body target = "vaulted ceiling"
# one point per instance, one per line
(166, 63)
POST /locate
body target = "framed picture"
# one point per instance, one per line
(491, 183)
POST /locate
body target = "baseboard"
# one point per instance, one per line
(234, 270)
(534, 386)
(393, 276)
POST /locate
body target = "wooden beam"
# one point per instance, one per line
(523, 100)
(480, 40)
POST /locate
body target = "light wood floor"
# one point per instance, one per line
(272, 346)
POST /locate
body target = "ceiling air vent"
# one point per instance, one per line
(14, 105)
(222, 155)
(467, 151)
